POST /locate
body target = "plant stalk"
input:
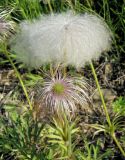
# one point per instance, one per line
(50, 7)
(118, 144)
(19, 77)
(101, 95)
(105, 109)
(70, 143)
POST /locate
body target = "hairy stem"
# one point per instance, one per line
(70, 144)
(19, 77)
(50, 7)
(105, 109)
(118, 144)
(101, 95)
(51, 70)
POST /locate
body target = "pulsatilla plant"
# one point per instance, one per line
(62, 93)
(62, 135)
(61, 38)
(65, 38)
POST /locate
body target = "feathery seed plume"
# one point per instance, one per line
(62, 38)
(63, 93)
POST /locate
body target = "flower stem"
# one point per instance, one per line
(118, 144)
(70, 4)
(101, 95)
(70, 144)
(88, 3)
(51, 70)
(50, 7)
(19, 77)
(56, 69)
(105, 109)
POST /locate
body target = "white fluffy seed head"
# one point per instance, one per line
(62, 38)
